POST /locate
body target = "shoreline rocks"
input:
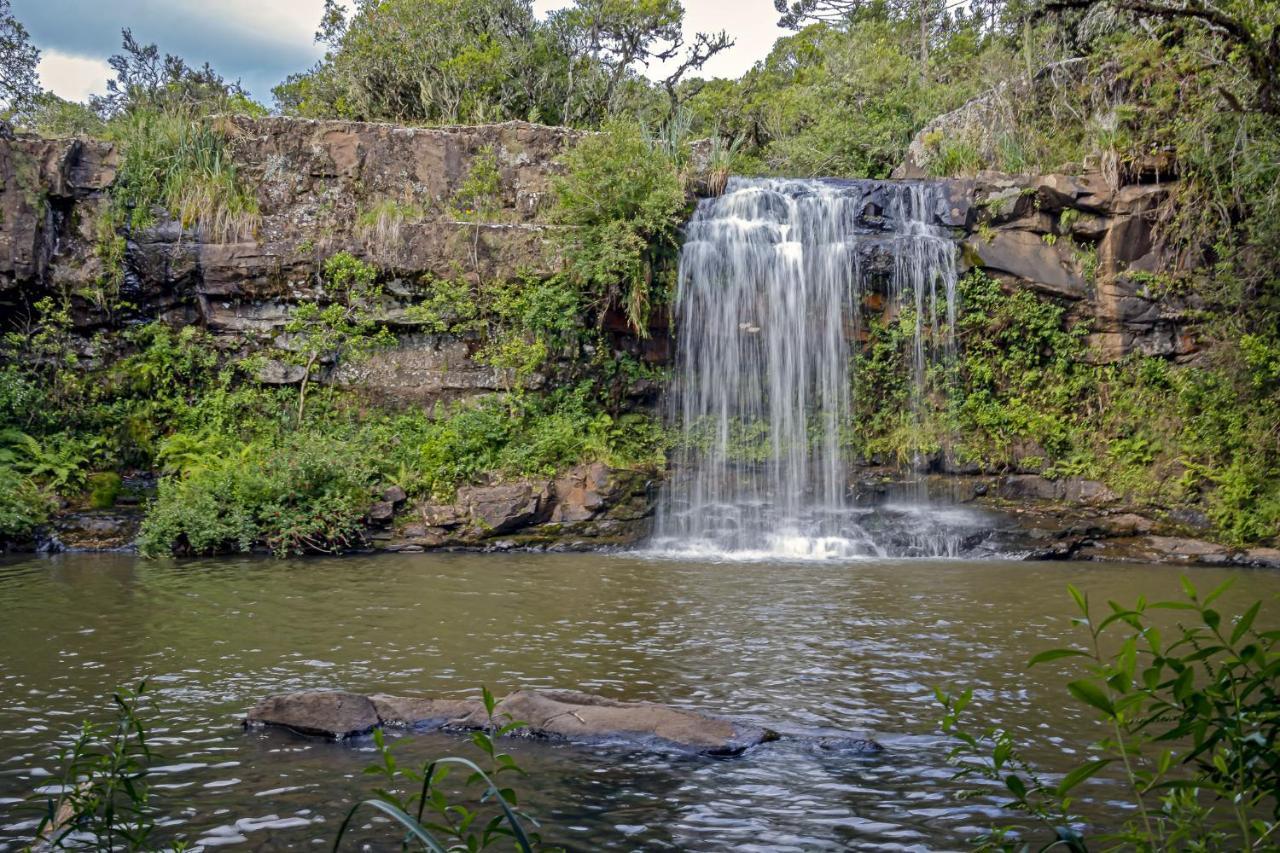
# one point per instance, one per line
(562, 715)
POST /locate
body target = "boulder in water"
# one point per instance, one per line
(557, 714)
(324, 713)
(570, 715)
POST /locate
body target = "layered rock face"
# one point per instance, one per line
(387, 194)
(390, 195)
(384, 193)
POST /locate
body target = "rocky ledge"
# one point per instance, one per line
(548, 714)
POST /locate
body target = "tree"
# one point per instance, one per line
(1250, 29)
(345, 329)
(427, 61)
(145, 77)
(619, 35)
(929, 14)
(19, 82)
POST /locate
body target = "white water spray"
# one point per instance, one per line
(773, 278)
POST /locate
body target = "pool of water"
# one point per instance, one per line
(801, 647)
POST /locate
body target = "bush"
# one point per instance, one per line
(624, 197)
(104, 489)
(23, 507)
(177, 159)
(1192, 725)
(306, 494)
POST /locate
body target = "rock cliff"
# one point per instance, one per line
(388, 195)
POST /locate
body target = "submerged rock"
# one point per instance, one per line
(556, 714)
(324, 713)
(576, 716)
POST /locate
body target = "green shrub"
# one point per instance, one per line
(306, 494)
(23, 507)
(177, 159)
(1191, 720)
(104, 488)
(625, 201)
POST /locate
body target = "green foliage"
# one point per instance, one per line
(103, 797)
(416, 61)
(531, 435)
(1023, 395)
(1191, 726)
(304, 493)
(344, 329)
(479, 196)
(104, 488)
(425, 813)
(625, 201)
(178, 160)
(23, 507)
(845, 100)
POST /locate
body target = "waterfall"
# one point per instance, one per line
(773, 279)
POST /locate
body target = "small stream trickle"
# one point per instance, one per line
(773, 279)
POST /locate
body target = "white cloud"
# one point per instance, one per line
(752, 24)
(72, 77)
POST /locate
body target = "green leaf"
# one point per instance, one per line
(1056, 654)
(413, 827)
(1245, 622)
(1017, 786)
(1080, 599)
(1222, 587)
(1078, 775)
(1091, 694)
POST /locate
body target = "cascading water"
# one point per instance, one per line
(773, 279)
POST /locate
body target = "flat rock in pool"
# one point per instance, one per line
(570, 715)
(325, 713)
(418, 713)
(560, 714)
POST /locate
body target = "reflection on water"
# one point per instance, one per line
(800, 647)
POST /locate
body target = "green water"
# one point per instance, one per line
(848, 646)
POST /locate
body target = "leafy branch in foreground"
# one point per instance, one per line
(1192, 722)
(428, 816)
(102, 801)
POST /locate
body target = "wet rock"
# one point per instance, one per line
(381, 512)
(558, 714)
(503, 508)
(841, 744)
(445, 516)
(1267, 558)
(1026, 256)
(101, 530)
(1072, 490)
(422, 714)
(1187, 550)
(584, 717)
(394, 495)
(323, 713)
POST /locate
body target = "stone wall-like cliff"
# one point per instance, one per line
(1074, 239)
(319, 186)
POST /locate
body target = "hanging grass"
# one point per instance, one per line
(177, 161)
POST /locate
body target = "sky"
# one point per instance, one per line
(260, 42)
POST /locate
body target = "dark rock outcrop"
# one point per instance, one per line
(557, 714)
(322, 713)
(591, 505)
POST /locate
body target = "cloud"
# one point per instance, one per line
(258, 41)
(73, 77)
